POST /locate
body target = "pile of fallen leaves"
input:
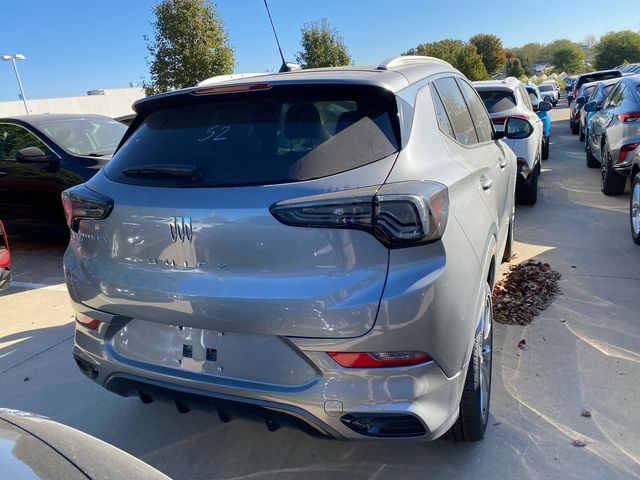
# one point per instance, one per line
(527, 289)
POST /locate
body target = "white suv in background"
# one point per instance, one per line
(508, 98)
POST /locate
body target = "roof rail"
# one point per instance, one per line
(405, 60)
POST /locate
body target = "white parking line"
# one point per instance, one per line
(60, 287)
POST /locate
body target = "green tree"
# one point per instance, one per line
(461, 55)
(491, 51)
(513, 68)
(549, 49)
(189, 44)
(616, 47)
(568, 59)
(322, 46)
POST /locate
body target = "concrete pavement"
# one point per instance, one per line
(583, 353)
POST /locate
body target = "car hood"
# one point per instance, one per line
(32, 446)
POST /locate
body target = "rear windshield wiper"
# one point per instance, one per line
(164, 170)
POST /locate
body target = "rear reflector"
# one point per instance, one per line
(521, 161)
(87, 321)
(379, 359)
(232, 89)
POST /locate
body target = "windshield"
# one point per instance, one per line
(498, 100)
(546, 88)
(283, 135)
(85, 136)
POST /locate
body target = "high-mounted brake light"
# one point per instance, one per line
(379, 359)
(626, 149)
(397, 214)
(80, 203)
(232, 89)
(629, 117)
(87, 321)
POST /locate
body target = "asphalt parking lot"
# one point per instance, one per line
(583, 353)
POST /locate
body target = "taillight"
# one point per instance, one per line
(626, 149)
(87, 321)
(379, 359)
(80, 203)
(629, 117)
(397, 214)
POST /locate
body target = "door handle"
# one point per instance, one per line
(486, 183)
(502, 162)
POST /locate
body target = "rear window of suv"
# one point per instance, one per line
(287, 133)
(546, 88)
(593, 77)
(498, 101)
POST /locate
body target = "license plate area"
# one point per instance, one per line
(257, 358)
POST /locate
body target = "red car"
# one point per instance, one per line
(5, 259)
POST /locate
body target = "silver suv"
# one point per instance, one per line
(318, 247)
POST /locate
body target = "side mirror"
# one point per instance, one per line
(570, 98)
(32, 155)
(581, 100)
(547, 98)
(544, 106)
(590, 107)
(516, 128)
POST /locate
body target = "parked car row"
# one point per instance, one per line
(606, 114)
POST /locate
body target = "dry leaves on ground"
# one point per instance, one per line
(527, 289)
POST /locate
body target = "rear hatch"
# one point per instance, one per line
(500, 103)
(191, 240)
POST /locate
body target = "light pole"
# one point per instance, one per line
(13, 58)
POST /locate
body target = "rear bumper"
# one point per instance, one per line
(421, 397)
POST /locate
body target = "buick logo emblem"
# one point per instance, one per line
(180, 229)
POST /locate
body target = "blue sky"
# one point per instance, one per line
(77, 45)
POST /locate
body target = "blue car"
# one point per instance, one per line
(536, 97)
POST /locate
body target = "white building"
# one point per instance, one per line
(110, 102)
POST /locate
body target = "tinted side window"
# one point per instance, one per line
(525, 98)
(478, 112)
(443, 120)
(457, 109)
(14, 138)
(609, 97)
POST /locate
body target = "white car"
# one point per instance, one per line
(551, 90)
(508, 98)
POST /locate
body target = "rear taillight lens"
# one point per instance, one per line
(397, 214)
(629, 117)
(626, 149)
(87, 321)
(80, 203)
(379, 359)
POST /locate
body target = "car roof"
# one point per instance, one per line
(42, 118)
(604, 82)
(613, 70)
(508, 84)
(393, 74)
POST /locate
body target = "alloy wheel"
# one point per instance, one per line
(486, 358)
(635, 209)
(604, 165)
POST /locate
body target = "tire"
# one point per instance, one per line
(528, 194)
(581, 131)
(592, 162)
(612, 183)
(476, 395)
(574, 128)
(545, 147)
(508, 249)
(634, 208)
